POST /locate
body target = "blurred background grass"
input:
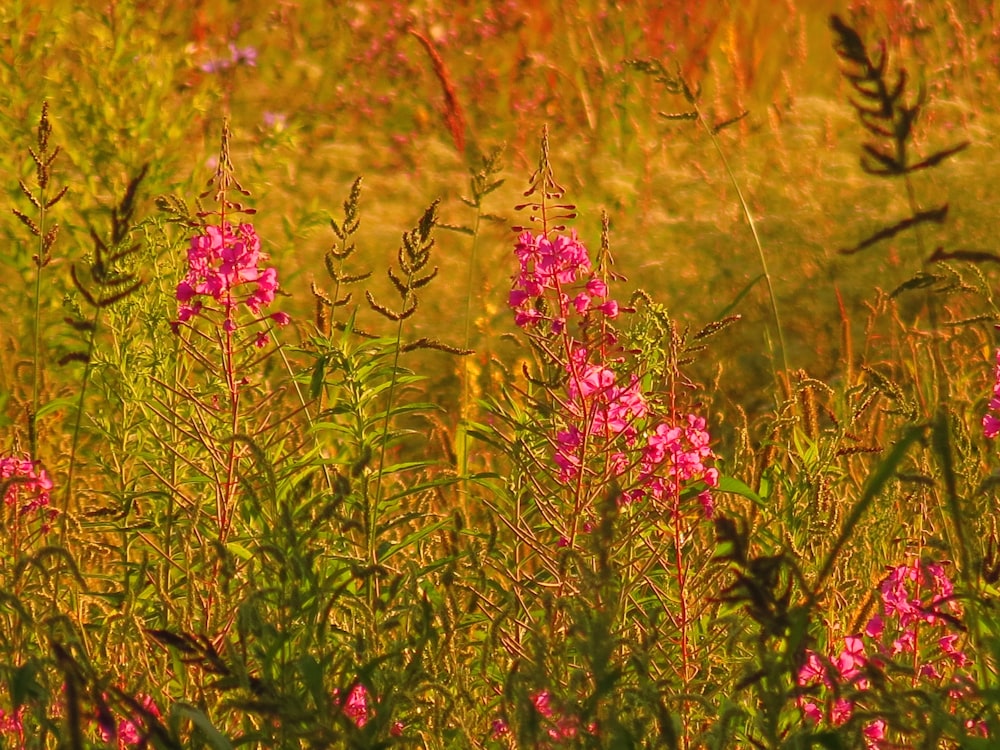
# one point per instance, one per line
(322, 92)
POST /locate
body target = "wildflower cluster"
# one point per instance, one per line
(356, 708)
(225, 266)
(991, 420)
(558, 726)
(555, 266)
(12, 728)
(237, 56)
(128, 732)
(558, 294)
(26, 488)
(915, 624)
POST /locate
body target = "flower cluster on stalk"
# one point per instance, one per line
(991, 420)
(27, 488)
(559, 296)
(128, 732)
(226, 273)
(559, 726)
(356, 707)
(915, 625)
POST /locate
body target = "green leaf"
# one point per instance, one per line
(24, 686)
(318, 374)
(56, 403)
(213, 736)
(239, 551)
(312, 676)
(739, 297)
(413, 538)
(736, 487)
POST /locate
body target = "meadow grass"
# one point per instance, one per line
(302, 446)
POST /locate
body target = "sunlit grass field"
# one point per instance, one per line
(499, 375)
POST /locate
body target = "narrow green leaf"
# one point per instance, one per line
(413, 538)
(738, 298)
(736, 487)
(239, 550)
(318, 375)
(213, 736)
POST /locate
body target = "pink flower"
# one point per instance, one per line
(812, 711)
(915, 598)
(609, 308)
(27, 487)
(674, 457)
(597, 288)
(874, 733)
(567, 458)
(499, 728)
(813, 671)
(129, 731)
(550, 267)
(12, 728)
(875, 627)
(991, 423)
(852, 658)
(355, 707)
(947, 644)
(224, 265)
(842, 710)
(542, 702)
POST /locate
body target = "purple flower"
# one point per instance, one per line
(275, 120)
(237, 56)
(243, 55)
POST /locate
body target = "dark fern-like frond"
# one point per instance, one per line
(108, 283)
(934, 215)
(43, 158)
(412, 257)
(882, 106)
(335, 259)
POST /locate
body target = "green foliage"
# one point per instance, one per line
(312, 527)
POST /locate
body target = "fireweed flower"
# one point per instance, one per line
(237, 56)
(914, 624)
(355, 706)
(555, 284)
(991, 420)
(29, 493)
(674, 457)
(499, 728)
(128, 731)
(225, 273)
(12, 729)
(560, 726)
(559, 266)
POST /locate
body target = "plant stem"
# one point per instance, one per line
(463, 447)
(36, 331)
(753, 231)
(87, 370)
(373, 509)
